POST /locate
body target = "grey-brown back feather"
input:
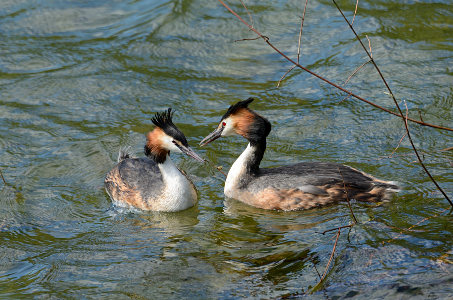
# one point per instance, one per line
(306, 176)
(143, 175)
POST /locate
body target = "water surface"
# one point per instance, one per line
(80, 79)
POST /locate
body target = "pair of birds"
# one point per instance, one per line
(155, 183)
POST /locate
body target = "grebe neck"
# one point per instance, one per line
(245, 167)
(178, 192)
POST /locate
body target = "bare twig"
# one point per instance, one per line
(300, 31)
(416, 224)
(369, 46)
(336, 228)
(248, 13)
(355, 11)
(399, 143)
(298, 46)
(218, 168)
(396, 104)
(347, 196)
(3, 178)
(266, 39)
(331, 255)
(355, 72)
(330, 260)
(317, 272)
(447, 149)
(420, 115)
(250, 39)
(284, 75)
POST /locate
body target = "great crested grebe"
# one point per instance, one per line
(301, 186)
(154, 182)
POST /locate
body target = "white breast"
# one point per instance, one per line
(237, 170)
(179, 193)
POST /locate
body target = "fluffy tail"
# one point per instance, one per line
(390, 186)
(124, 153)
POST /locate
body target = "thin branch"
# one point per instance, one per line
(3, 178)
(331, 255)
(416, 224)
(399, 143)
(420, 115)
(250, 39)
(347, 197)
(284, 75)
(355, 72)
(369, 46)
(317, 272)
(330, 260)
(298, 46)
(218, 168)
(358, 69)
(248, 13)
(266, 39)
(396, 104)
(300, 31)
(337, 228)
(355, 11)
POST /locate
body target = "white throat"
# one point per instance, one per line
(178, 193)
(237, 171)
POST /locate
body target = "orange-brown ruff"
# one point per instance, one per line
(154, 182)
(301, 186)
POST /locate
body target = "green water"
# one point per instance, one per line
(80, 79)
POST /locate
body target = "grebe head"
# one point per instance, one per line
(166, 137)
(239, 119)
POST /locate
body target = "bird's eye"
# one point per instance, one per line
(223, 124)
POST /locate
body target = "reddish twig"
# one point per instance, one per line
(266, 39)
(396, 104)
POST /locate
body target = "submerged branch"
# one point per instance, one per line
(3, 178)
(321, 280)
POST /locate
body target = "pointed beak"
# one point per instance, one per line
(189, 152)
(212, 136)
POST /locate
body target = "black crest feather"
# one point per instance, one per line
(234, 108)
(164, 121)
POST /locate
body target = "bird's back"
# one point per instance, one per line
(135, 181)
(310, 184)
